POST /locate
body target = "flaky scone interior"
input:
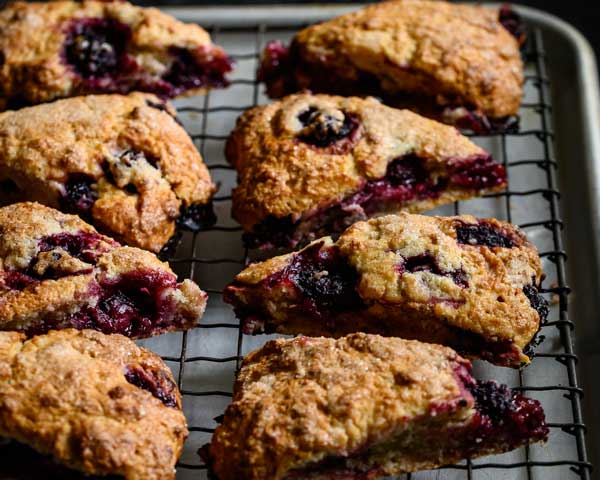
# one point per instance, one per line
(95, 403)
(57, 272)
(122, 162)
(468, 283)
(457, 63)
(311, 165)
(363, 407)
(62, 49)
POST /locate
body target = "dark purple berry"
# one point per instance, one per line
(15, 280)
(79, 194)
(324, 278)
(427, 263)
(538, 303)
(483, 234)
(271, 231)
(134, 305)
(191, 70)
(169, 248)
(407, 171)
(81, 245)
(323, 130)
(478, 172)
(96, 47)
(197, 217)
(155, 382)
(512, 21)
(492, 399)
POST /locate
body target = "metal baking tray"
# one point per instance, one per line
(552, 164)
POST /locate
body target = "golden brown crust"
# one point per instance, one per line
(476, 289)
(455, 54)
(280, 176)
(54, 268)
(66, 394)
(297, 401)
(40, 29)
(143, 166)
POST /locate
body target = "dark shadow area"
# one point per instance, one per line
(19, 462)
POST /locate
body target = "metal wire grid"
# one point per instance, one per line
(562, 356)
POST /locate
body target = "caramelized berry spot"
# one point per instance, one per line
(154, 381)
(323, 129)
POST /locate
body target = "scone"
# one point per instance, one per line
(311, 165)
(457, 63)
(363, 407)
(57, 272)
(121, 162)
(96, 403)
(66, 48)
(471, 284)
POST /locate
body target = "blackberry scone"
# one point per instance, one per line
(363, 407)
(96, 403)
(311, 165)
(468, 283)
(67, 48)
(457, 63)
(57, 272)
(121, 162)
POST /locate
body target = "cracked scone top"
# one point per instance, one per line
(468, 283)
(362, 406)
(57, 272)
(67, 48)
(96, 403)
(123, 162)
(457, 62)
(311, 165)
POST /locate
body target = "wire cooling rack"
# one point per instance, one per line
(204, 360)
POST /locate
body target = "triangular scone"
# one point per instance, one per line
(468, 283)
(458, 63)
(311, 165)
(121, 162)
(51, 50)
(96, 403)
(363, 407)
(57, 272)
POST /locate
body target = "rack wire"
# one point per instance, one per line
(532, 201)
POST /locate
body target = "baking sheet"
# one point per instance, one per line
(211, 354)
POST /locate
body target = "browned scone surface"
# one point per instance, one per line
(310, 157)
(96, 403)
(468, 283)
(51, 50)
(362, 406)
(121, 161)
(451, 55)
(56, 272)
